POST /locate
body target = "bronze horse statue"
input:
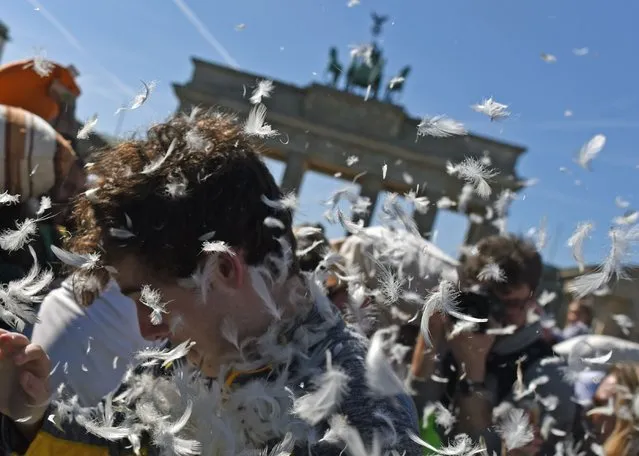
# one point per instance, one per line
(334, 67)
(367, 75)
(396, 84)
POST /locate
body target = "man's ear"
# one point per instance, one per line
(231, 270)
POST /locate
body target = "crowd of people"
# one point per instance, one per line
(157, 299)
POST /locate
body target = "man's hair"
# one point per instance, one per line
(517, 258)
(193, 178)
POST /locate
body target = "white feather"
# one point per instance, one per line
(379, 374)
(494, 110)
(87, 128)
(576, 242)
(12, 240)
(440, 127)
(515, 429)
(331, 387)
(255, 123)
(7, 199)
(603, 359)
(263, 90)
(590, 150)
(77, 260)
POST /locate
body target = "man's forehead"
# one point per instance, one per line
(515, 291)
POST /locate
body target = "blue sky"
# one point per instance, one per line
(460, 50)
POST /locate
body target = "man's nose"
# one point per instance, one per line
(153, 332)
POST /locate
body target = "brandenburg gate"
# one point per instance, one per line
(322, 125)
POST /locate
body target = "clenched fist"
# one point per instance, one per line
(24, 380)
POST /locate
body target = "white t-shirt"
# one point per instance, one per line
(91, 346)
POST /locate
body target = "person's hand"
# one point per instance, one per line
(24, 380)
(471, 349)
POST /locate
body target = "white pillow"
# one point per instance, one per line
(592, 345)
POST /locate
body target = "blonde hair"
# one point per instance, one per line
(625, 437)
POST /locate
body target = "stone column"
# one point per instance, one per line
(426, 222)
(371, 186)
(478, 231)
(294, 173)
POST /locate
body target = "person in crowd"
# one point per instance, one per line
(91, 347)
(183, 211)
(481, 368)
(312, 247)
(578, 320)
(36, 162)
(376, 250)
(609, 418)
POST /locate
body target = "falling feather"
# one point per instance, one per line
(165, 435)
(623, 239)
(421, 203)
(12, 240)
(331, 387)
(590, 150)
(384, 170)
(263, 90)
(474, 173)
(255, 123)
(546, 297)
(167, 356)
(217, 247)
(310, 248)
(440, 127)
(120, 233)
(548, 58)
(629, 218)
(286, 203)
(351, 160)
(515, 429)
(230, 332)
(603, 359)
(86, 261)
(444, 418)
(445, 203)
(577, 240)
(443, 300)
(8, 199)
(461, 327)
(45, 205)
(87, 128)
(140, 98)
(505, 331)
(259, 285)
(494, 110)
(272, 222)
(621, 203)
(156, 164)
(153, 300)
(18, 297)
(379, 374)
(491, 273)
(624, 322)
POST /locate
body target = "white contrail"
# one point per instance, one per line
(76, 44)
(206, 34)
